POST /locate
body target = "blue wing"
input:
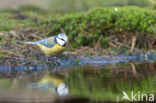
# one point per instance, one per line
(50, 42)
(45, 43)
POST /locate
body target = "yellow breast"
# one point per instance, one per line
(57, 49)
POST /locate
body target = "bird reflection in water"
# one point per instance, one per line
(52, 83)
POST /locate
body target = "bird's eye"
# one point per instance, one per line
(62, 39)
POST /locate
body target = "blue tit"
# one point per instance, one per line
(53, 45)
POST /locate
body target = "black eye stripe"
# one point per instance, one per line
(61, 39)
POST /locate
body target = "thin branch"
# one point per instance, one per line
(133, 69)
(133, 44)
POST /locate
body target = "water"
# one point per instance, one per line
(83, 84)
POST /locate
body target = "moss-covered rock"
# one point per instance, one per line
(89, 27)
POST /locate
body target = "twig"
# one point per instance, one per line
(133, 44)
(113, 45)
(86, 32)
(97, 45)
(68, 44)
(133, 69)
(15, 35)
(34, 35)
(62, 30)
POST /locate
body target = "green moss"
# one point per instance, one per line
(9, 22)
(89, 27)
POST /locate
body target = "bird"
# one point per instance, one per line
(53, 45)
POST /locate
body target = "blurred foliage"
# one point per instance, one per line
(26, 16)
(88, 28)
(81, 5)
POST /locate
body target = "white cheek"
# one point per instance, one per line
(60, 42)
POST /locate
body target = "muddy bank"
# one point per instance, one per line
(41, 62)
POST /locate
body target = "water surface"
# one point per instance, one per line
(85, 83)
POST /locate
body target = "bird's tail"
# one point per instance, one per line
(29, 42)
